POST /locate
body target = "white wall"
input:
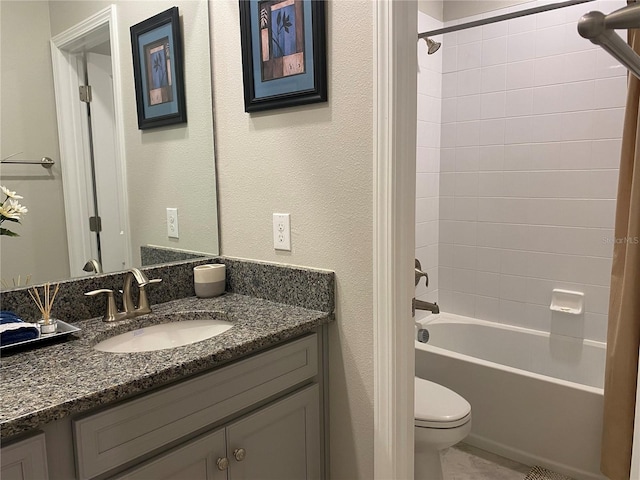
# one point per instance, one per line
(428, 159)
(316, 163)
(171, 166)
(28, 125)
(532, 119)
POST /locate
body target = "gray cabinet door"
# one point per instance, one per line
(196, 460)
(25, 460)
(278, 442)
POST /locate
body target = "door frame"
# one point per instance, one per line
(73, 143)
(395, 77)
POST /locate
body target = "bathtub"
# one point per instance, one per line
(535, 398)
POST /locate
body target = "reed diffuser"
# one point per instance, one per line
(47, 324)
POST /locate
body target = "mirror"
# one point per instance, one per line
(166, 167)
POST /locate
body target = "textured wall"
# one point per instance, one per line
(171, 166)
(29, 125)
(314, 162)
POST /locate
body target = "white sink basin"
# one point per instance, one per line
(164, 336)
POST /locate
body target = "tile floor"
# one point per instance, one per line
(464, 462)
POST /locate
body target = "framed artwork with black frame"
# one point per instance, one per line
(284, 60)
(156, 45)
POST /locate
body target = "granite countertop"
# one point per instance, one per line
(55, 381)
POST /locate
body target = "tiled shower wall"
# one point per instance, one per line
(531, 123)
(428, 160)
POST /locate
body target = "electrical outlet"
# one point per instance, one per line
(281, 231)
(172, 223)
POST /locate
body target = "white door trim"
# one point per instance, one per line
(394, 242)
(72, 143)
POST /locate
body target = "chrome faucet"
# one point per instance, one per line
(130, 310)
(420, 304)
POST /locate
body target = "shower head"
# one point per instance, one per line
(432, 45)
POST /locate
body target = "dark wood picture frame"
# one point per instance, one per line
(156, 45)
(284, 60)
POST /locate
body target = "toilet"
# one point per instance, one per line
(442, 419)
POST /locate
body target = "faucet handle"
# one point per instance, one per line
(419, 273)
(112, 313)
(143, 300)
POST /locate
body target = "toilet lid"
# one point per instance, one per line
(438, 406)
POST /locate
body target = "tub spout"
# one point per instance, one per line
(422, 305)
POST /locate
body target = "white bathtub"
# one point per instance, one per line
(534, 398)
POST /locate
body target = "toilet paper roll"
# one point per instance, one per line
(209, 280)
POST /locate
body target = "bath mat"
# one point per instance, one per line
(539, 473)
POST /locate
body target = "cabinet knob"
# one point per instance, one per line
(239, 454)
(222, 463)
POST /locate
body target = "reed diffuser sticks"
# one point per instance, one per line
(46, 305)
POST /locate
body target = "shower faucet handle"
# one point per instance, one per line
(419, 273)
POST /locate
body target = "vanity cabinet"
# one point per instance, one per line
(280, 441)
(265, 408)
(25, 460)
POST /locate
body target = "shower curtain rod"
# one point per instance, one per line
(599, 28)
(501, 18)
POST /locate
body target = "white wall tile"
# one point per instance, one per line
(468, 82)
(521, 47)
(580, 65)
(492, 131)
(522, 24)
(494, 51)
(549, 70)
(491, 157)
(550, 41)
(519, 102)
(469, 35)
(520, 74)
(468, 108)
(464, 233)
(549, 128)
(608, 123)
(469, 56)
(467, 159)
(467, 134)
(449, 84)
(607, 66)
(548, 99)
(464, 257)
(489, 234)
(449, 109)
(447, 159)
(490, 184)
(513, 288)
(528, 169)
(610, 92)
(579, 96)
(605, 153)
(492, 105)
(465, 208)
(494, 79)
(449, 58)
(519, 130)
(550, 18)
(573, 42)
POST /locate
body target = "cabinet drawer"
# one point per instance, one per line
(132, 429)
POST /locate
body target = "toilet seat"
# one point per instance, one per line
(438, 407)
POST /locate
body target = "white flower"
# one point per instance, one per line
(16, 207)
(8, 192)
